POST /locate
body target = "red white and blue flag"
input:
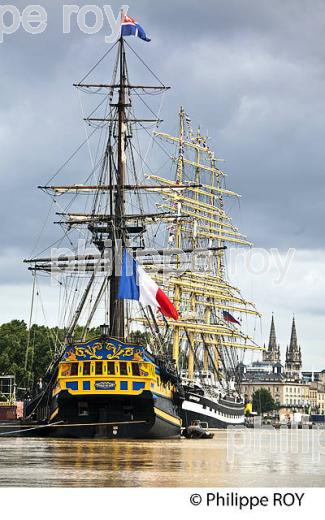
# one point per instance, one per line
(129, 27)
(136, 284)
(229, 317)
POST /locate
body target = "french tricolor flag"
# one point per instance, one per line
(129, 27)
(136, 284)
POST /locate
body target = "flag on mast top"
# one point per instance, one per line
(129, 27)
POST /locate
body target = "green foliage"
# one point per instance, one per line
(12, 349)
(14, 338)
(263, 401)
(138, 337)
(13, 345)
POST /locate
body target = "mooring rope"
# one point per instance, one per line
(62, 425)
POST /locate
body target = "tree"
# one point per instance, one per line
(139, 337)
(13, 345)
(42, 342)
(263, 401)
(12, 349)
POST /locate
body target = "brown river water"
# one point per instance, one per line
(244, 458)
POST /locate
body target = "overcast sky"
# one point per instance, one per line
(251, 72)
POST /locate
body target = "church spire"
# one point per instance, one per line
(293, 353)
(293, 339)
(272, 354)
(272, 340)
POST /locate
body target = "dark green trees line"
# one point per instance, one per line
(14, 338)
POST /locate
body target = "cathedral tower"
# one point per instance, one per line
(272, 354)
(293, 354)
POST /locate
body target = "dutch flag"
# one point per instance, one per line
(136, 284)
(129, 27)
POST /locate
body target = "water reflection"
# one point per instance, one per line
(256, 460)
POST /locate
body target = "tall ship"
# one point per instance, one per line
(113, 384)
(208, 341)
(142, 260)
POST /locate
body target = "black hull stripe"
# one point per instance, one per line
(189, 417)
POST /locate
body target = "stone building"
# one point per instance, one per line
(290, 388)
(286, 394)
(293, 362)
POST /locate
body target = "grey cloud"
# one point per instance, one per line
(250, 71)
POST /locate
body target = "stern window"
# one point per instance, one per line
(123, 368)
(135, 369)
(86, 368)
(111, 368)
(83, 409)
(98, 368)
(74, 369)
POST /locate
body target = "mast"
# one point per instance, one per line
(116, 307)
(108, 222)
(178, 233)
(193, 239)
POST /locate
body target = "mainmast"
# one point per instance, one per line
(108, 222)
(116, 310)
(178, 231)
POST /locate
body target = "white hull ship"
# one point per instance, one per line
(208, 342)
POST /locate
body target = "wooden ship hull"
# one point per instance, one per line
(145, 416)
(106, 389)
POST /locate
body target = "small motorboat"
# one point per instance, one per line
(197, 430)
